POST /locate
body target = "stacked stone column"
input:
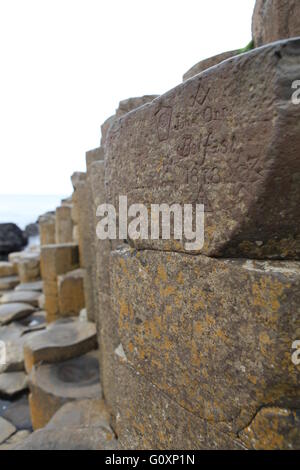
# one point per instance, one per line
(197, 345)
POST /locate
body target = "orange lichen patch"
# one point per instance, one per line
(180, 278)
(198, 328)
(272, 429)
(130, 347)
(167, 291)
(267, 293)
(220, 334)
(162, 274)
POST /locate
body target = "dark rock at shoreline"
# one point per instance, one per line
(32, 230)
(12, 238)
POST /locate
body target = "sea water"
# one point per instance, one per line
(25, 209)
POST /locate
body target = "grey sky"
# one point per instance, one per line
(65, 65)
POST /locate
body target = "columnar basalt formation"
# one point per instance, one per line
(54, 385)
(56, 260)
(211, 141)
(274, 20)
(196, 347)
(63, 224)
(47, 228)
(188, 334)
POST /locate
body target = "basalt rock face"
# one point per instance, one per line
(196, 347)
(12, 238)
(275, 19)
(207, 63)
(212, 335)
(228, 139)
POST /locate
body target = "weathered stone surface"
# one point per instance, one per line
(9, 282)
(127, 105)
(12, 383)
(207, 63)
(29, 267)
(32, 230)
(92, 156)
(14, 336)
(77, 177)
(31, 286)
(6, 430)
(81, 413)
(71, 293)
(56, 260)
(62, 340)
(273, 429)
(148, 419)
(7, 269)
(274, 20)
(53, 385)
(107, 327)
(14, 311)
(29, 297)
(63, 224)
(210, 140)
(231, 321)
(35, 322)
(47, 228)
(14, 440)
(70, 439)
(17, 412)
(11, 239)
(86, 231)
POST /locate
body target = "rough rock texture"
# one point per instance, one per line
(86, 233)
(273, 429)
(77, 177)
(11, 239)
(81, 413)
(32, 230)
(274, 20)
(14, 311)
(6, 429)
(213, 335)
(7, 269)
(70, 439)
(62, 340)
(12, 383)
(29, 267)
(29, 297)
(80, 424)
(17, 412)
(53, 385)
(34, 322)
(227, 138)
(47, 228)
(63, 224)
(71, 293)
(56, 260)
(148, 419)
(106, 326)
(14, 440)
(206, 63)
